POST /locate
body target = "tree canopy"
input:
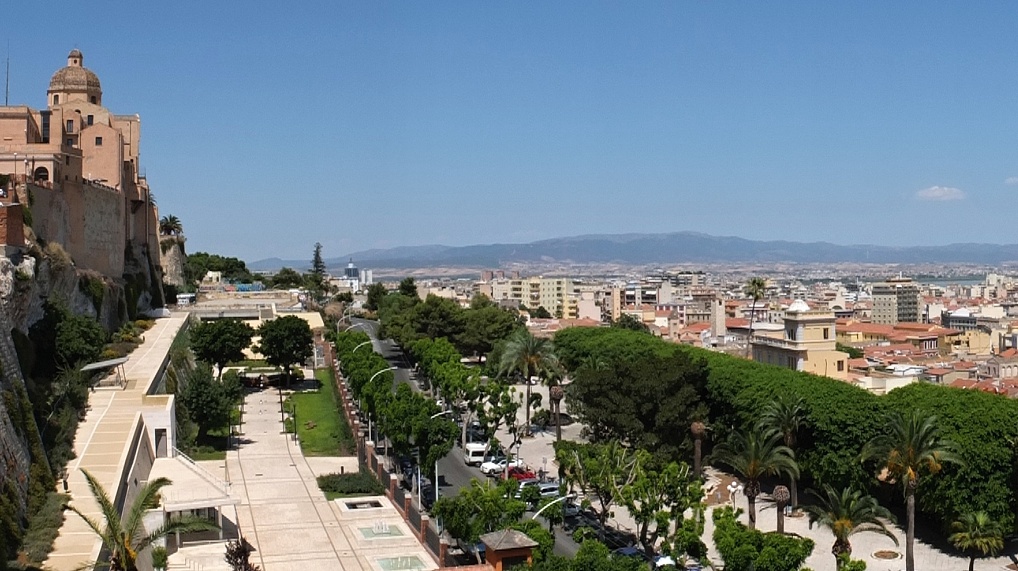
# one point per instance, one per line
(200, 263)
(286, 341)
(220, 341)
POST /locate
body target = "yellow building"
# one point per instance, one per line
(806, 343)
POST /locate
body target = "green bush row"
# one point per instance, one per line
(351, 483)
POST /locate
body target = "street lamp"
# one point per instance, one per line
(352, 326)
(359, 345)
(733, 489)
(370, 433)
(553, 502)
(434, 416)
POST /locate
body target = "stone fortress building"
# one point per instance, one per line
(76, 168)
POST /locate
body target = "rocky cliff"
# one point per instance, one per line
(29, 278)
(173, 259)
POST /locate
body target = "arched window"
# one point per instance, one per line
(41, 173)
(56, 99)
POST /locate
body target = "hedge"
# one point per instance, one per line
(841, 418)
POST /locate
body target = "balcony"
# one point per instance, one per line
(779, 343)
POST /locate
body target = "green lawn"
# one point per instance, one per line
(321, 427)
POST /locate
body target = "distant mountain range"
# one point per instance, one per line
(676, 247)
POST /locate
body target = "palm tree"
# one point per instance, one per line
(977, 534)
(126, 538)
(528, 356)
(698, 429)
(170, 226)
(846, 514)
(755, 455)
(755, 289)
(556, 393)
(913, 445)
(781, 497)
(786, 415)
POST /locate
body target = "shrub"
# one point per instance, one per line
(744, 549)
(44, 527)
(362, 483)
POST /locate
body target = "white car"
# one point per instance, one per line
(495, 467)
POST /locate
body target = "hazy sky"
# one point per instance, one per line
(267, 126)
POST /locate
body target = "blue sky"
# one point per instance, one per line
(268, 126)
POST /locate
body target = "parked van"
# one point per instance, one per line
(474, 452)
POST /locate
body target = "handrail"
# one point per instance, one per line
(219, 482)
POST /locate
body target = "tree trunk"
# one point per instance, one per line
(839, 548)
(972, 563)
(910, 528)
(751, 511)
(527, 406)
(794, 492)
(558, 423)
(781, 520)
(752, 318)
(697, 451)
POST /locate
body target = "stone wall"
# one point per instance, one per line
(87, 220)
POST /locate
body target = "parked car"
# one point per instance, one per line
(495, 467)
(570, 509)
(519, 473)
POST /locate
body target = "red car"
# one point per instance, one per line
(519, 473)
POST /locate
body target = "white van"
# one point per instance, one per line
(474, 452)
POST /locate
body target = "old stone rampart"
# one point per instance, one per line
(86, 219)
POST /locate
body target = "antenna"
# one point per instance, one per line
(7, 86)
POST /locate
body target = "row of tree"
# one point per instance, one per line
(408, 419)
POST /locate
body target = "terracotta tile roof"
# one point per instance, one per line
(696, 327)
(1008, 353)
(962, 365)
(871, 328)
(938, 372)
(858, 363)
(963, 383)
(736, 322)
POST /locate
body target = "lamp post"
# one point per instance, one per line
(352, 326)
(371, 434)
(359, 345)
(434, 416)
(733, 489)
(553, 502)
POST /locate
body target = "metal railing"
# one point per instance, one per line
(216, 480)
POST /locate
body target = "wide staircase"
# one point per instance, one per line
(198, 558)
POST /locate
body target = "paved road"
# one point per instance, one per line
(454, 475)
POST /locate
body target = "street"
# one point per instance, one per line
(453, 474)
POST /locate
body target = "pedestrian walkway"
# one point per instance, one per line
(103, 440)
(285, 516)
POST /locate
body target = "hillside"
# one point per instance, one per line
(677, 247)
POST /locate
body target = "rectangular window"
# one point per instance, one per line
(70, 125)
(827, 333)
(841, 366)
(89, 119)
(67, 160)
(70, 142)
(99, 143)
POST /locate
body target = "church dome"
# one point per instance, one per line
(798, 306)
(75, 78)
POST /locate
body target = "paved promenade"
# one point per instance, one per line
(101, 442)
(286, 517)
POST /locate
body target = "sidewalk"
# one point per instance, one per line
(103, 439)
(285, 516)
